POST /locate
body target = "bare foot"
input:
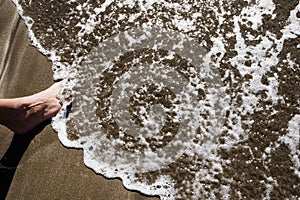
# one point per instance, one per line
(23, 114)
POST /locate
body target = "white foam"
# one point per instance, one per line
(99, 152)
(292, 139)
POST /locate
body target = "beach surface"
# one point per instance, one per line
(240, 103)
(47, 170)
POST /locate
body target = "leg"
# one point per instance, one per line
(23, 114)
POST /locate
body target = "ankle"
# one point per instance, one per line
(11, 111)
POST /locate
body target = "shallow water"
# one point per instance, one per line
(181, 99)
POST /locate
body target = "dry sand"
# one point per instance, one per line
(47, 170)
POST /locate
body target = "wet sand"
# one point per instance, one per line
(258, 165)
(46, 170)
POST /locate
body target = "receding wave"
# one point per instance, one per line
(181, 99)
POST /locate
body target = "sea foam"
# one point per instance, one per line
(172, 97)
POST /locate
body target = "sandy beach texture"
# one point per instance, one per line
(254, 154)
(47, 170)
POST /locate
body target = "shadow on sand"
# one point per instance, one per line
(12, 157)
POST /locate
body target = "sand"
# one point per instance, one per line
(258, 165)
(47, 170)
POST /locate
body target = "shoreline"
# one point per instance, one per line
(47, 169)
